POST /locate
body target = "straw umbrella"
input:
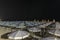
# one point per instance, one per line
(55, 31)
(34, 29)
(51, 38)
(35, 32)
(18, 35)
(21, 26)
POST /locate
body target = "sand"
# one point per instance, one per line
(3, 31)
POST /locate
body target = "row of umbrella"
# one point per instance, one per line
(19, 24)
(54, 31)
(23, 34)
(10, 23)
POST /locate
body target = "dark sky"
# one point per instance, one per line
(29, 10)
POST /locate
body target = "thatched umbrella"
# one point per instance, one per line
(35, 31)
(55, 30)
(29, 23)
(51, 38)
(18, 35)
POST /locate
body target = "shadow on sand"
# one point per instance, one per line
(4, 36)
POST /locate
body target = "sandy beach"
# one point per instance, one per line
(4, 30)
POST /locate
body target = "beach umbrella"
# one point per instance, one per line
(2, 23)
(54, 32)
(50, 38)
(44, 25)
(18, 35)
(48, 23)
(21, 25)
(57, 25)
(29, 23)
(34, 29)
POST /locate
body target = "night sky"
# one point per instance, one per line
(30, 10)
